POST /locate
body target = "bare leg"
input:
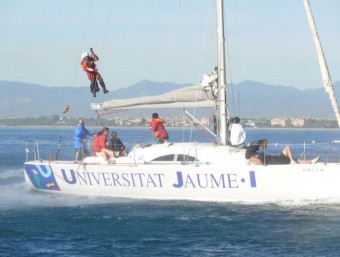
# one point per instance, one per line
(107, 154)
(315, 160)
(288, 152)
(255, 160)
(303, 161)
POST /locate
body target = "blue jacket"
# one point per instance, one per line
(80, 133)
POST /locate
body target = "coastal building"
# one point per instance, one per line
(298, 122)
(279, 122)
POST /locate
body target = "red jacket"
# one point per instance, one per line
(158, 128)
(89, 66)
(99, 142)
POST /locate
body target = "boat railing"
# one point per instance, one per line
(329, 152)
(35, 151)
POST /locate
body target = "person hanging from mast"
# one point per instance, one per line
(89, 66)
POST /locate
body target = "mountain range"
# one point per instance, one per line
(247, 99)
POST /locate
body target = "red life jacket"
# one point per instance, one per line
(89, 66)
(99, 142)
(158, 128)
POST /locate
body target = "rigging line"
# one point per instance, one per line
(226, 45)
(81, 49)
(85, 34)
(202, 131)
(61, 136)
(98, 119)
(203, 46)
(59, 143)
(204, 40)
(83, 40)
(106, 27)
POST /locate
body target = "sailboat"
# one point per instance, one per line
(187, 170)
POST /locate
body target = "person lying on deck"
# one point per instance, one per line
(286, 157)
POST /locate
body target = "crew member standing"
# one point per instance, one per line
(157, 126)
(80, 135)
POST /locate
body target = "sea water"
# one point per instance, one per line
(40, 224)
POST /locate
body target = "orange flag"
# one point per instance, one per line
(67, 108)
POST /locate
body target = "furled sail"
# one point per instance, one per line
(193, 96)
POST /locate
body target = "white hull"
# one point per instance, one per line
(229, 178)
(209, 173)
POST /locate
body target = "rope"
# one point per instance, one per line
(97, 121)
(106, 27)
(230, 72)
(203, 46)
(58, 147)
(87, 22)
(82, 42)
(77, 67)
(74, 77)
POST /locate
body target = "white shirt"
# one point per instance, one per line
(237, 134)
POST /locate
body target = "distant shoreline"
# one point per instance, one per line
(146, 127)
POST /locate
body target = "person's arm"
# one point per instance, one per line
(243, 136)
(122, 146)
(154, 125)
(87, 133)
(95, 57)
(87, 68)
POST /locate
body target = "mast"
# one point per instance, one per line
(327, 81)
(222, 85)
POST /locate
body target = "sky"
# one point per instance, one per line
(166, 41)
